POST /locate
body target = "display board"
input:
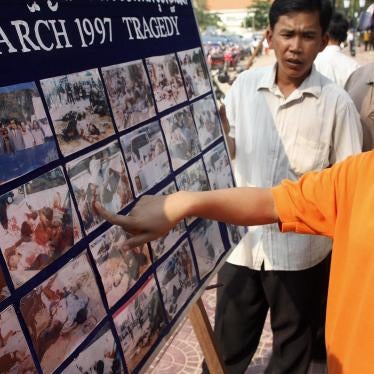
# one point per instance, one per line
(100, 100)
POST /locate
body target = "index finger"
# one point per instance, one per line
(115, 219)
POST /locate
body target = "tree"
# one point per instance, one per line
(204, 18)
(257, 15)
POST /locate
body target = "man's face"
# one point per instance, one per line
(296, 39)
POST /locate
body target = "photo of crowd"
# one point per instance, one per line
(15, 355)
(26, 138)
(130, 93)
(4, 291)
(181, 137)
(101, 357)
(38, 224)
(62, 311)
(139, 323)
(193, 178)
(207, 121)
(195, 72)
(218, 166)
(236, 233)
(208, 245)
(119, 268)
(166, 81)
(177, 278)
(100, 176)
(79, 109)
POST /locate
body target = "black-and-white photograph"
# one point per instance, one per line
(177, 278)
(218, 166)
(139, 323)
(207, 121)
(15, 356)
(26, 138)
(236, 233)
(62, 311)
(38, 224)
(166, 81)
(101, 356)
(181, 136)
(119, 268)
(4, 291)
(146, 156)
(195, 72)
(79, 109)
(130, 93)
(193, 178)
(100, 176)
(208, 246)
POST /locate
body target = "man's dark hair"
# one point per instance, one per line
(338, 27)
(283, 7)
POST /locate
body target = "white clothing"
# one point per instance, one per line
(28, 139)
(277, 138)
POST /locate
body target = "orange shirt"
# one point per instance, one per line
(339, 203)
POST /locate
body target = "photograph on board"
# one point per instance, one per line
(162, 245)
(181, 136)
(195, 72)
(15, 356)
(208, 246)
(207, 121)
(139, 323)
(146, 156)
(236, 233)
(38, 224)
(79, 109)
(62, 311)
(166, 81)
(193, 178)
(119, 268)
(101, 176)
(177, 278)
(26, 138)
(218, 166)
(130, 93)
(4, 291)
(101, 356)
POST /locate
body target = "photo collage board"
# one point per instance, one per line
(112, 129)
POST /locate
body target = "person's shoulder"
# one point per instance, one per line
(332, 91)
(253, 75)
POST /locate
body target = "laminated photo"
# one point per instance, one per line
(100, 176)
(146, 156)
(193, 178)
(38, 224)
(62, 311)
(218, 166)
(207, 121)
(26, 138)
(181, 137)
(15, 356)
(79, 109)
(236, 233)
(4, 291)
(166, 81)
(162, 245)
(177, 278)
(119, 268)
(195, 72)
(208, 246)
(101, 356)
(130, 93)
(139, 323)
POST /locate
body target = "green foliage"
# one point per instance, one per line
(258, 14)
(204, 18)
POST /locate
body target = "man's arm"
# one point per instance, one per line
(226, 129)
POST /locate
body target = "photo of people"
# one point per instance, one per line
(181, 137)
(4, 291)
(130, 93)
(139, 323)
(195, 72)
(26, 138)
(101, 356)
(62, 311)
(208, 245)
(146, 156)
(193, 178)
(100, 176)
(38, 224)
(119, 268)
(236, 233)
(218, 166)
(177, 278)
(207, 121)
(162, 245)
(166, 81)
(79, 109)
(15, 356)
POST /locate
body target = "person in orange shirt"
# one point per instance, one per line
(336, 202)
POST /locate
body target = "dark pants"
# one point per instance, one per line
(297, 302)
